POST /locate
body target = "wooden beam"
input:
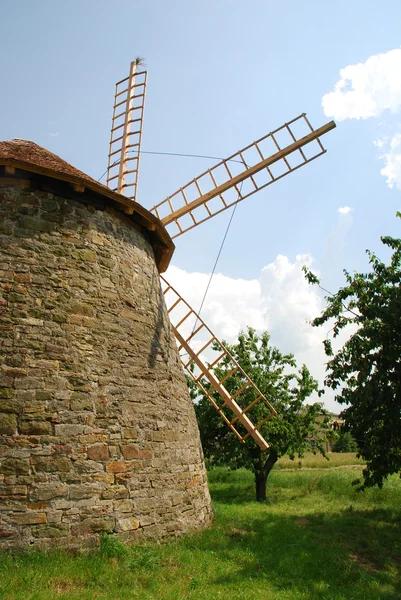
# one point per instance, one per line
(78, 187)
(9, 170)
(223, 393)
(248, 173)
(123, 159)
(14, 181)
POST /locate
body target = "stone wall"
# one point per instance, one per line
(97, 431)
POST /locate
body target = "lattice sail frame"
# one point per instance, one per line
(126, 133)
(188, 328)
(251, 169)
(220, 187)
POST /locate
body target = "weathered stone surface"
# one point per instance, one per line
(98, 452)
(48, 491)
(14, 466)
(14, 492)
(50, 531)
(127, 524)
(52, 464)
(115, 492)
(95, 525)
(88, 490)
(36, 428)
(116, 466)
(8, 423)
(28, 518)
(97, 431)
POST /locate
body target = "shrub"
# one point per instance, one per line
(345, 443)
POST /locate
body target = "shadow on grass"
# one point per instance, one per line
(232, 494)
(349, 555)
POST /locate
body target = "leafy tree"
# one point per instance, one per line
(345, 443)
(293, 431)
(366, 371)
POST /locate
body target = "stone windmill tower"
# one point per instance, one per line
(97, 430)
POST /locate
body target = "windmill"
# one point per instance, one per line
(220, 187)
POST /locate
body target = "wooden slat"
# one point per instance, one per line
(121, 139)
(206, 375)
(184, 208)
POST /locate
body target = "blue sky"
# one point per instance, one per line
(220, 75)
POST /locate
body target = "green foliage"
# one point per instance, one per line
(345, 443)
(293, 431)
(366, 371)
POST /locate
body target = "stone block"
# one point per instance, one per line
(43, 395)
(83, 467)
(98, 452)
(82, 403)
(6, 533)
(28, 518)
(115, 492)
(54, 516)
(127, 524)
(79, 492)
(93, 438)
(8, 423)
(129, 451)
(123, 506)
(153, 531)
(5, 382)
(52, 464)
(88, 256)
(101, 478)
(13, 492)
(116, 466)
(82, 308)
(95, 525)
(35, 224)
(134, 316)
(67, 430)
(51, 532)
(29, 383)
(33, 406)
(15, 466)
(48, 365)
(6, 394)
(89, 322)
(14, 371)
(36, 428)
(48, 491)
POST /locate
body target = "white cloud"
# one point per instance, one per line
(366, 89)
(280, 301)
(391, 153)
(344, 210)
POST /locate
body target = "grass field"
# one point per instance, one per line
(317, 539)
(317, 461)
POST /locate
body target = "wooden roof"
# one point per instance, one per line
(22, 158)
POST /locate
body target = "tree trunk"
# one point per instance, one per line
(260, 480)
(261, 474)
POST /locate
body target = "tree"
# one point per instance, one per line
(345, 443)
(366, 371)
(293, 431)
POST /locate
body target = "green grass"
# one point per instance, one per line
(317, 461)
(317, 539)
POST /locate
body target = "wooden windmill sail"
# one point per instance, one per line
(249, 170)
